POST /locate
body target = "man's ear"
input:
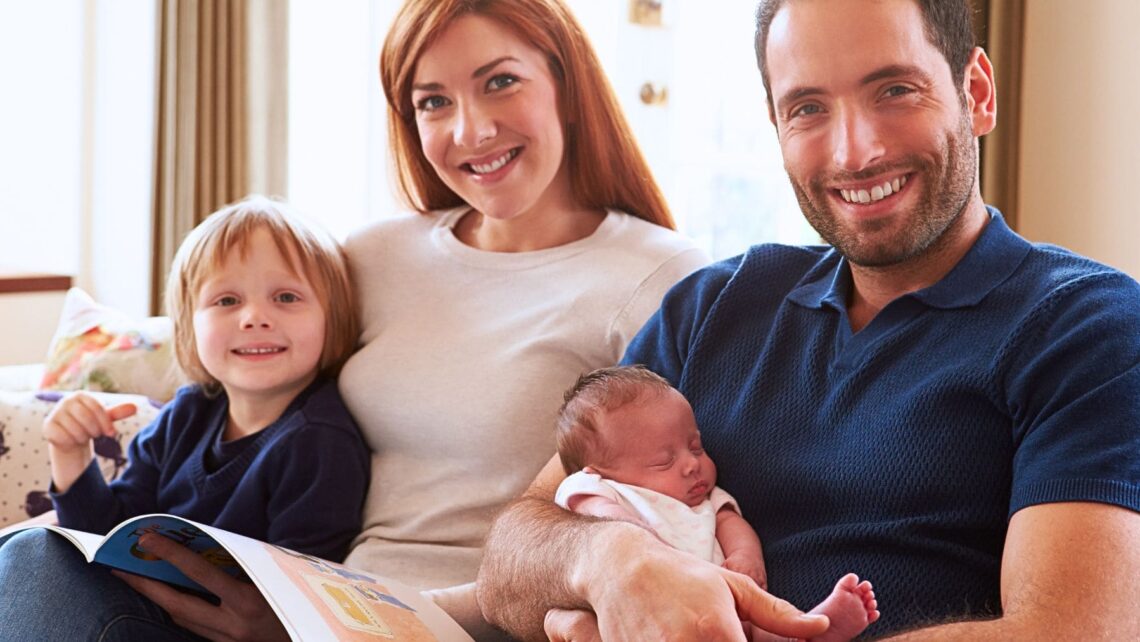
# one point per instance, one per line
(981, 92)
(772, 115)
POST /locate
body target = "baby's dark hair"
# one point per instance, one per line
(594, 392)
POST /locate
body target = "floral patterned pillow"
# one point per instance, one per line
(99, 348)
(25, 472)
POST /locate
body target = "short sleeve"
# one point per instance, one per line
(720, 498)
(1074, 394)
(664, 343)
(583, 483)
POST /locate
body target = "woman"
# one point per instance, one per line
(522, 273)
(542, 247)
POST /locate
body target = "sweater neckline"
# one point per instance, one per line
(444, 239)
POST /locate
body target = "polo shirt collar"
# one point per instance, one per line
(992, 259)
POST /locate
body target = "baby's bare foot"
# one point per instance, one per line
(851, 607)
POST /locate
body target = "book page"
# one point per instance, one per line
(120, 549)
(315, 599)
(85, 542)
(321, 600)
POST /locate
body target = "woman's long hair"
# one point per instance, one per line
(605, 166)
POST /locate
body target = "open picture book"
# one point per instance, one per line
(315, 599)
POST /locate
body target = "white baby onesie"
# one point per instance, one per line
(690, 529)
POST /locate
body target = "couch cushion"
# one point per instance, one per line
(25, 472)
(97, 347)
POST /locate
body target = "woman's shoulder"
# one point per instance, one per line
(653, 246)
(629, 229)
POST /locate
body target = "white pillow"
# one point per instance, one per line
(99, 348)
(25, 471)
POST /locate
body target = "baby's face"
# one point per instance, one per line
(653, 442)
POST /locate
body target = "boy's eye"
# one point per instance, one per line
(227, 300)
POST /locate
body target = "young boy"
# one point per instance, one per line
(630, 445)
(261, 443)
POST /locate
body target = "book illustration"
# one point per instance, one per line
(121, 550)
(355, 605)
(347, 607)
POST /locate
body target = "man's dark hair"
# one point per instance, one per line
(947, 22)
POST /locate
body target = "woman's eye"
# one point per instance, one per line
(501, 81)
(288, 297)
(431, 103)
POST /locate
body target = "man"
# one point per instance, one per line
(934, 404)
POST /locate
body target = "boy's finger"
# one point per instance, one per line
(115, 413)
(122, 411)
(85, 412)
(72, 429)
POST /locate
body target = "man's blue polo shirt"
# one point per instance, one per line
(900, 452)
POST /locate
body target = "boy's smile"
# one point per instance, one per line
(259, 326)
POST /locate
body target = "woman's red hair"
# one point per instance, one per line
(605, 165)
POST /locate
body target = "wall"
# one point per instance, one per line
(27, 342)
(77, 158)
(1080, 146)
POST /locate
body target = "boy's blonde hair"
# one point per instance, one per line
(321, 261)
(604, 389)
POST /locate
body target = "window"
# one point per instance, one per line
(77, 125)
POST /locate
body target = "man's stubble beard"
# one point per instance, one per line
(946, 192)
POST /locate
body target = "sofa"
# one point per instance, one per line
(97, 349)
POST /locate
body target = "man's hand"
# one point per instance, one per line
(571, 626)
(750, 565)
(542, 562)
(242, 615)
(641, 589)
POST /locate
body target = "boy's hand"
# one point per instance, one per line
(749, 565)
(69, 429)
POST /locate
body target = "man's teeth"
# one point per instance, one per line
(877, 193)
(257, 350)
(495, 164)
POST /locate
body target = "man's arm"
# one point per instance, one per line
(1070, 571)
(540, 557)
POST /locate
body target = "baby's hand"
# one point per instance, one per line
(749, 565)
(79, 418)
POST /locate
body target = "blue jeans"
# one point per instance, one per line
(49, 592)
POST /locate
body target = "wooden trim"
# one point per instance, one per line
(14, 283)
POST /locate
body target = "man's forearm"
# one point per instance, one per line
(532, 553)
(1070, 571)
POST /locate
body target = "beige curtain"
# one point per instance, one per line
(1002, 23)
(211, 147)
